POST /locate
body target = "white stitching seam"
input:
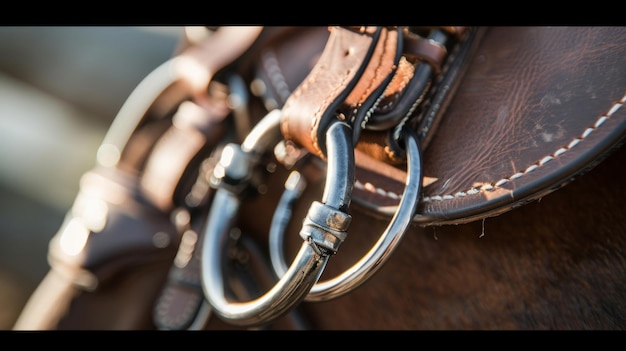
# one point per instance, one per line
(492, 186)
(485, 187)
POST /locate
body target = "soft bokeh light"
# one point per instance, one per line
(74, 237)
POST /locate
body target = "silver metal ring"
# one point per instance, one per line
(323, 230)
(373, 260)
(166, 78)
(165, 87)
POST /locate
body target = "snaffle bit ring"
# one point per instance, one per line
(373, 260)
(323, 229)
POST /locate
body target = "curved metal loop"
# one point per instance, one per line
(323, 229)
(371, 262)
(172, 82)
(164, 79)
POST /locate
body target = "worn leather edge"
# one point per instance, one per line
(589, 55)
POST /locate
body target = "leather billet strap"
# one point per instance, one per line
(536, 107)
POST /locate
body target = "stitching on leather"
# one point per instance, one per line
(317, 115)
(367, 91)
(304, 86)
(492, 186)
(372, 188)
(403, 83)
(429, 93)
(485, 187)
(164, 307)
(275, 74)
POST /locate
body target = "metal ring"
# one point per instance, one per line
(166, 78)
(175, 80)
(323, 230)
(371, 262)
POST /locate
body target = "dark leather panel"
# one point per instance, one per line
(537, 106)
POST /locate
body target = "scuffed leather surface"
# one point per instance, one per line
(529, 95)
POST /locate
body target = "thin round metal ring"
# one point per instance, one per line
(163, 79)
(169, 84)
(377, 255)
(323, 229)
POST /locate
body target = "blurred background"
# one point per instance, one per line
(60, 89)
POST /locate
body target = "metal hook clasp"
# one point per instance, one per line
(323, 230)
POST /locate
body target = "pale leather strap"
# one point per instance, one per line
(353, 64)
